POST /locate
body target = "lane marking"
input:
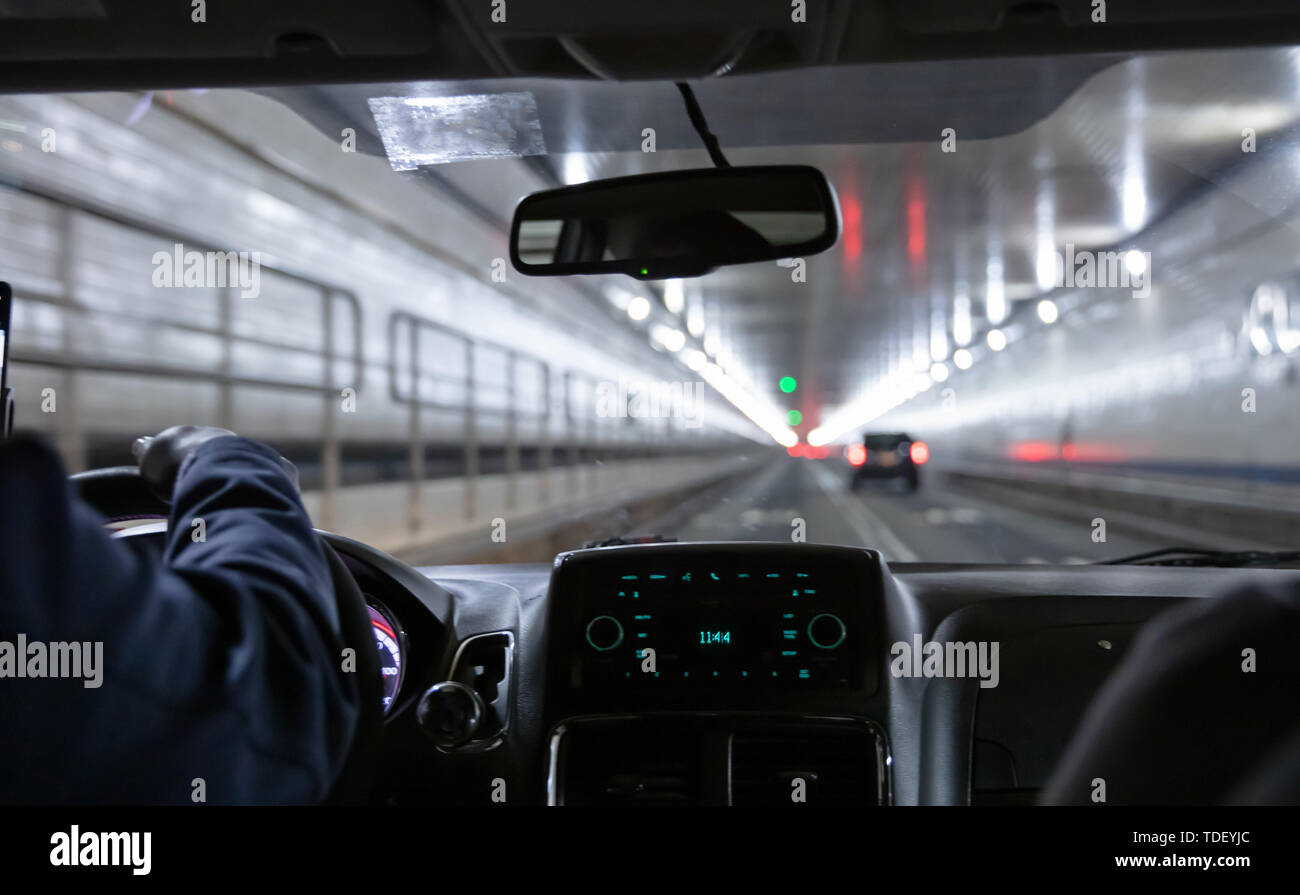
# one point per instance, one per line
(953, 516)
(869, 527)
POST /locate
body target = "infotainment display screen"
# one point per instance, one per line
(713, 621)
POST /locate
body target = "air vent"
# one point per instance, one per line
(637, 765)
(715, 760)
(828, 766)
(484, 664)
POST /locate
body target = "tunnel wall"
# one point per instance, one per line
(238, 172)
(1161, 383)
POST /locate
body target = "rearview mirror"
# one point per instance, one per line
(677, 223)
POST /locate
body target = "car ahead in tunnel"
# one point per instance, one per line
(637, 276)
(887, 456)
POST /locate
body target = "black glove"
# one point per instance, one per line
(162, 456)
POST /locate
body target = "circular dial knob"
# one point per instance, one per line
(827, 631)
(449, 713)
(604, 633)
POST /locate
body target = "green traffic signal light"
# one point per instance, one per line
(794, 417)
(788, 384)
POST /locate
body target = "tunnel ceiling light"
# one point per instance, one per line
(1045, 271)
(962, 359)
(759, 412)
(1047, 311)
(674, 340)
(694, 359)
(712, 342)
(695, 320)
(996, 339)
(619, 297)
(961, 327)
(938, 344)
(638, 308)
(1133, 195)
(1260, 340)
(995, 295)
(858, 413)
(674, 296)
(876, 401)
(667, 337)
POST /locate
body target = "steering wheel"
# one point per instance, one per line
(120, 494)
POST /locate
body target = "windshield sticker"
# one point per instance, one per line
(435, 130)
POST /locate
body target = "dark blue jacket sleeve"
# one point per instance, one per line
(221, 671)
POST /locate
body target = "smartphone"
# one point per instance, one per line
(6, 401)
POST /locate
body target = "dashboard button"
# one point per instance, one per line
(827, 631)
(604, 632)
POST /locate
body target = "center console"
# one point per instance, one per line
(715, 674)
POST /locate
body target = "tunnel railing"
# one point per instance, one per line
(71, 356)
(552, 416)
(1233, 510)
(406, 336)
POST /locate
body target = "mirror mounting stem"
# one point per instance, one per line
(696, 115)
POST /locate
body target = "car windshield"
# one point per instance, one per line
(1071, 282)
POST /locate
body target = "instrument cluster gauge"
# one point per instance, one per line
(391, 643)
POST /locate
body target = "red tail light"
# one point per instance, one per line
(920, 452)
(856, 454)
(1033, 451)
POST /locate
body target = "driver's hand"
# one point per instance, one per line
(162, 456)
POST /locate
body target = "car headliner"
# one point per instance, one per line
(140, 44)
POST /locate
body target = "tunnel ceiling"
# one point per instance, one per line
(1131, 146)
(1086, 151)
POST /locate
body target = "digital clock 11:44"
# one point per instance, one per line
(710, 637)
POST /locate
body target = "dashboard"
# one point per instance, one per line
(390, 640)
(746, 673)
